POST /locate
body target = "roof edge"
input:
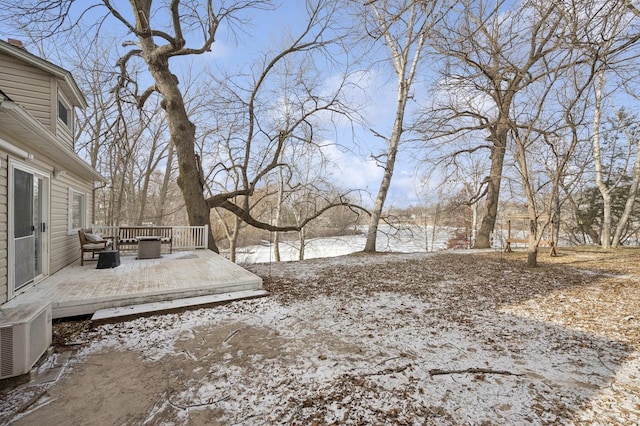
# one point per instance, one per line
(28, 122)
(46, 66)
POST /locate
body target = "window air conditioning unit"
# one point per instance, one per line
(25, 334)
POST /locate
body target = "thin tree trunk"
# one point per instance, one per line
(532, 249)
(302, 239)
(405, 69)
(164, 189)
(555, 231)
(233, 239)
(231, 232)
(389, 166)
(626, 214)
(276, 234)
(474, 223)
(631, 196)
(143, 194)
(372, 232)
(605, 235)
(434, 227)
(120, 198)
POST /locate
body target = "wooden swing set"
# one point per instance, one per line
(510, 240)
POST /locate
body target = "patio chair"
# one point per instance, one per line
(91, 243)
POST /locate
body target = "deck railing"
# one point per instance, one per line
(184, 237)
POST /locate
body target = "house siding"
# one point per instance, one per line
(35, 88)
(29, 87)
(4, 232)
(65, 246)
(62, 130)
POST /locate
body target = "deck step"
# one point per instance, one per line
(124, 313)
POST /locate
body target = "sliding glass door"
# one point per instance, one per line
(29, 213)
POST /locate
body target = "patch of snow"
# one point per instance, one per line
(406, 239)
(380, 355)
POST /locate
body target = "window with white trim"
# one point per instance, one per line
(77, 210)
(65, 113)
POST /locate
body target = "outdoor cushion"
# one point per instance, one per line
(94, 238)
(94, 246)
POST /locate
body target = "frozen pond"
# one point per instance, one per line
(408, 239)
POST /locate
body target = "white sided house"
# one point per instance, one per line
(46, 190)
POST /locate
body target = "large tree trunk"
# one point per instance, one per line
(532, 257)
(483, 239)
(181, 129)
(182, 132)
(183, 137)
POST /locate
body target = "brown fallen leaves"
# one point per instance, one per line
(583, 288)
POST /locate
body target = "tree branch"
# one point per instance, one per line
(439, 372)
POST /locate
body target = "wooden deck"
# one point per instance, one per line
(82, 290)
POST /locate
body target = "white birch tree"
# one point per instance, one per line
(403, 28)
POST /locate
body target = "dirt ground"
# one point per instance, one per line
(442, 338)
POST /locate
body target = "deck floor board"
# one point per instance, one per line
(82, 290)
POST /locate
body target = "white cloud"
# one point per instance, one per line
(370, 94)
(404, 189)
(219, 50)
(350, 171)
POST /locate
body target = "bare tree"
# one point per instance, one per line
(403, 27)
(549, 129)
(608, 179)
(280, 106)
(491, 54)
(607, 35)
(163, 191)
(466, 172)
(162, 33)
(632, 135)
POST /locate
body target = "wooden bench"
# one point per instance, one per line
(128, 235)
(510, 241)
(549, 243)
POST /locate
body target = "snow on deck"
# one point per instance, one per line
(81, 290)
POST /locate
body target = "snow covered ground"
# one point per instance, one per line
(422, 338)
(406, 239)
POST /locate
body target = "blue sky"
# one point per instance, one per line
(356, 167)
(265, 29)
